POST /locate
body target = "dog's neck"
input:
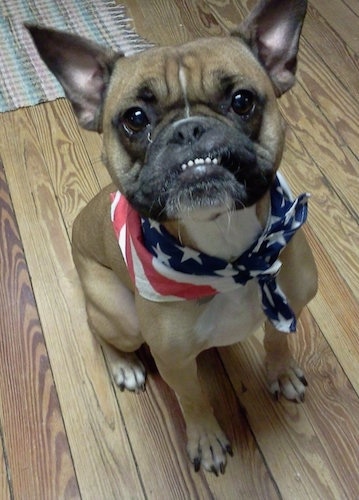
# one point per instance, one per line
(226, 235)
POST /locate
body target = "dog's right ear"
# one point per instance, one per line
(82, 67)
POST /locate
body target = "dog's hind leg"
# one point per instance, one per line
(113, 320)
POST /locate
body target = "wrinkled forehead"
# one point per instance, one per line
(194, 72)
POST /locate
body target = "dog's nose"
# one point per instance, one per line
(187, 131)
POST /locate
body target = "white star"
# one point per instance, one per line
(274, 219)
(277, 238)
(164, 258)
(296, 225)
(189, 253)
(283, 323)
(229, 271)
(155, 225)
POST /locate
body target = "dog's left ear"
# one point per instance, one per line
(82, 67)
(272, 30)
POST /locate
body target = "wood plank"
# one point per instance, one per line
(38, 454)
(343, 19)
(330, 98)
(336, 227)
(332, 228)
(342, 61)
(102, 456)
(338, 319)
(68, 164)
(320, 141)
(184, 19)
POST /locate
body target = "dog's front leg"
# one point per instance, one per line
(284, 376)
(168, 330)
(207, 445)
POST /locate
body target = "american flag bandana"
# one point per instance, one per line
(164, 270)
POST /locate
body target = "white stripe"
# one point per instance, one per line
(114, 204)
(122, 242)
(143, 285)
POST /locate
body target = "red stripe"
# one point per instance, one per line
(126, 215)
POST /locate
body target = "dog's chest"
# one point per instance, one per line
(230, 317)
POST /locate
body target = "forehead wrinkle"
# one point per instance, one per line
(153, 89)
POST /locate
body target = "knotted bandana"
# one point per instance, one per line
(164, 270)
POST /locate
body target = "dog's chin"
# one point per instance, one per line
(203, 195)
(179, 210)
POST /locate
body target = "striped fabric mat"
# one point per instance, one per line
(24, 79)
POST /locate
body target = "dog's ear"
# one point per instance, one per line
(272, 30)
(82, 67)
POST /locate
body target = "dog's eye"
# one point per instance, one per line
(135, 120)
(243, 102)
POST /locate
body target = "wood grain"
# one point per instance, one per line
(344, 19)
(37, 450)
(338, 57)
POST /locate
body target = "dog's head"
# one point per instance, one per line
(190, 127)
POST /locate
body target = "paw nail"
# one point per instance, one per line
(222, 468)
(229, 450)
(197, 464)
(214, 470)
(304, 381)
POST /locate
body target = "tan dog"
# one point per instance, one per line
(192, 140)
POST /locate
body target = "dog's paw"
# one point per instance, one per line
(129, 373)
(208, 446)
(287, 379)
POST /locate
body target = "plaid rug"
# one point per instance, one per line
(24, 79)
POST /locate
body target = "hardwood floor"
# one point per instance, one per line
(65, 430)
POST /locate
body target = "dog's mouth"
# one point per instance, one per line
(215, 182)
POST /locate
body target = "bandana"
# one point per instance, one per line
(164, 270)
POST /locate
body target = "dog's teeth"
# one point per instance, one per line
(200, 163)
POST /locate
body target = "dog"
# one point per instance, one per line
(198, 241)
